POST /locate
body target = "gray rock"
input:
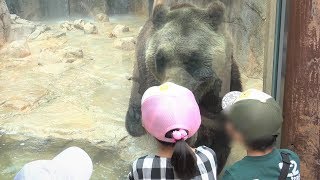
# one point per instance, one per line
(5, 25)
(52, 34)
(70, 60)
(67, 26)
(72, 52)
(39, 30)
(13, 18)
(22, 21)
(18, 105)
(59, 34)
(127, 44)
(101, 17)
(79, 24)
(16, 49)
(21, 31)
(120, 29)
(35, 34)
(90, 28)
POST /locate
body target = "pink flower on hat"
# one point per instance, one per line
(179, 135)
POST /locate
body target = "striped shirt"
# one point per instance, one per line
(153, 167)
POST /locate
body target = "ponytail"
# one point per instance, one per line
(183, 160)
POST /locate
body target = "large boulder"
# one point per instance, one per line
(39, 30)
(120, 29)
(23, 29)
(16, 49)
(5, 25)
(67, 26)
(127, 43)
(72, 52)
(90, 28)
(79, 24)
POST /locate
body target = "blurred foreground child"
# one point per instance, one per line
(254, 119)
(71, 164)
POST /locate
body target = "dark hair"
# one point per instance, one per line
(262, 144)
(183, 158)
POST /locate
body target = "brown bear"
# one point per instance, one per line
(188, 46)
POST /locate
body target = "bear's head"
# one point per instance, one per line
(188, 46)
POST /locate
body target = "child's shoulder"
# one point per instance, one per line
(237, 165)
(204, 149)
(207, 152)
(141, 160)
(288, 152)
(292, 154)
(233, 171)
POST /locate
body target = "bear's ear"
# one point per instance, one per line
(159, 15)
(216, 12)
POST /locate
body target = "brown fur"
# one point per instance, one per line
(146, 75)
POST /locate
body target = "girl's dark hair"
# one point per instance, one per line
(183, 158)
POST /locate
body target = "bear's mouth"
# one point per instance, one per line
(210, 105)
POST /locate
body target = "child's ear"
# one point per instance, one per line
(159, 16)
(216, 12)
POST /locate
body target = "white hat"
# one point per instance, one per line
(71, 164)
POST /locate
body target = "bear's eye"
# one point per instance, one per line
(198, 68)
(160, 62)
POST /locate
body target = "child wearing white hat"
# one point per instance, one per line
(71, 164)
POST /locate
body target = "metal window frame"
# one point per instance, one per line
(279, 58)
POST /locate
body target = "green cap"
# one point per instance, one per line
(254, 113)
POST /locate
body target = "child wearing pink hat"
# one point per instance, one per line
(171, 114)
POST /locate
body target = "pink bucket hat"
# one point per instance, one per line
(170, 107)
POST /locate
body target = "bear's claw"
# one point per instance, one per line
(133, 122)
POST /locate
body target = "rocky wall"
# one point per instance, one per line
(27, 9)
(48, 9)
(139, 6)
(248, 23)
(4, 23)
(85, 8)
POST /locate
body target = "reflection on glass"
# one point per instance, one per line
(67, 74)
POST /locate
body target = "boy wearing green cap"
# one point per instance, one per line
(254, 119)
